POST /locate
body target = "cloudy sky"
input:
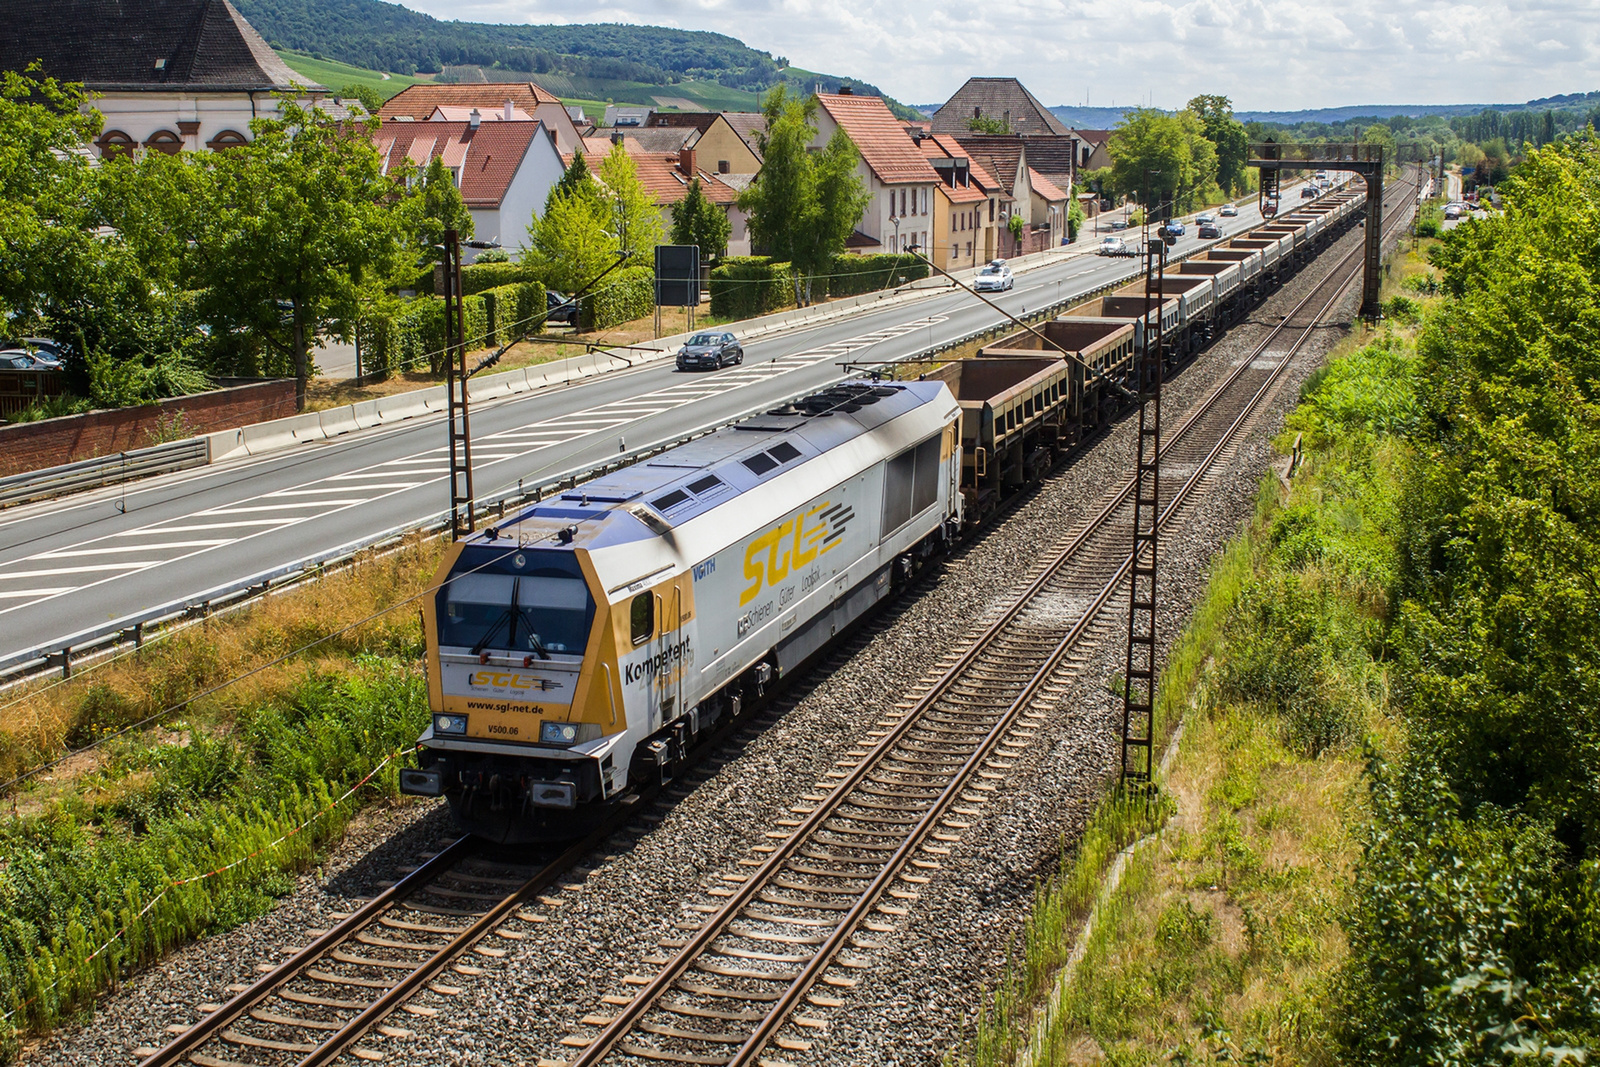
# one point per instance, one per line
(1265, 54)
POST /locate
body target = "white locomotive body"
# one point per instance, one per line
(581, 647)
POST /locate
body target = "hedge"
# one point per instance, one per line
(745, 286)
(628, 294)
(849, 275)
(513, 310)
(478, 277)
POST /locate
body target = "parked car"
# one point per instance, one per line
(713, 350)
(1210, 230)
(1452, 211)
(1174, 229)
(995, 276)
(1228, 211)
(561, 309)
(22, 359)
(1112, 246)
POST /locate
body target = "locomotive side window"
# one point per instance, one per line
(641, 622)
(910, 484)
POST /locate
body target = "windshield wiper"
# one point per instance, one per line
(488, 634)
(533, 638)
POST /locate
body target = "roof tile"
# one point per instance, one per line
(418, 101)
(880, 137)
(489, 156)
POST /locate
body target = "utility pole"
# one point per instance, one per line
(1139, 677)
(455, 386)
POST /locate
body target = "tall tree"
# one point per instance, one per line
(569, 245)
(442, 208)
(1162, 160)
(803, 205)
(575, 179)
(301, 224)
(635, 220)
(697, 221)
(1227, 135)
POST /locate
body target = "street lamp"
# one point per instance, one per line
(895, 219)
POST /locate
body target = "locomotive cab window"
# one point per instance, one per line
(524, 601)
(641, 618)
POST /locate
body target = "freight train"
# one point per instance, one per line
(581, 648)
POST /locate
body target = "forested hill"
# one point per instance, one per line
(388, 37)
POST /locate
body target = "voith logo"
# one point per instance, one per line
(522, 683)
(791, 545)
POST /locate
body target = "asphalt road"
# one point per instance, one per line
(72, 566)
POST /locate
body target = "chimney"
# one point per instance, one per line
(845, 90)
(509, 109)
(474, 118)
(686, 163)
(616, 137)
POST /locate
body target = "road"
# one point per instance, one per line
(105, 558)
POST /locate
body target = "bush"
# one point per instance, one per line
(628, 294)
(398, 334)
(1404, 310)
(493, 255)
(513, 310)
(849, 275)
(476, 277)
(746, 286)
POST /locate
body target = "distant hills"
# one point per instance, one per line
(1104, 118)
(627, 64)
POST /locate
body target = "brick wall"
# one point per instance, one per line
(28, 446)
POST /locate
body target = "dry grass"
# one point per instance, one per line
(43, 720)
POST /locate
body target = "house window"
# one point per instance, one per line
(225, 140)
(902, 203)
(953, 225)
(969, 248)
(955, 250)
(164, 141)
(114, 143)
(977, 112)
(723, 167)
(991, 211)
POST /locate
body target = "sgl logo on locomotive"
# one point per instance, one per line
(791, 545)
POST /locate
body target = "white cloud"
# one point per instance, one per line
(1265, 54)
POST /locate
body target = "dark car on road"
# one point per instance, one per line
(710, 350)
(1210, 230)
(1307, 192)
(558, 308)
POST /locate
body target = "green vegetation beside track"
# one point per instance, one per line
(1386, 839)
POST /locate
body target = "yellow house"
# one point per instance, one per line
(717, 145)
(966, 224)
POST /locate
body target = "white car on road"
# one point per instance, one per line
(994, 277)
(1112, 246)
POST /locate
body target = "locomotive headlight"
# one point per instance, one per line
(449, 724)
(558, 733)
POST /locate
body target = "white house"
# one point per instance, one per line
(167, 74)
(902, 182)
(421, 101)
(505, 169)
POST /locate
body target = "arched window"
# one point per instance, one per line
(225, 140)
(164, 141)
(115, 143)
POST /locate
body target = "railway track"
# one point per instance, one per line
(787, 934)
(827, 883)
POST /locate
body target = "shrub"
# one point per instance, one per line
(628, 294)
(513, 310)
(849, 275)
(476, 277)
(745, 286)
(1404, 310)
(493, 255)
(396, 334)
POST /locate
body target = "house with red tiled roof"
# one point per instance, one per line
(1047, 203)
(720, 146)
(505, 170)
(965, 209)
(418, 103)
(901, 181)
(666, 176)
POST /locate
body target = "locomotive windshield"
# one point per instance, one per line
(521, 601)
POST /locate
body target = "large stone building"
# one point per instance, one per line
(166, 74)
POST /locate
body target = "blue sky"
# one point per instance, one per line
(1265, 54)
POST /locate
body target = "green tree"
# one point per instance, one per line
(1380, 134)
(441, 209)
(988, 124)
(298, 226)
(569, 245)
(574, 180)
(370, 98)
(635, 220)
(697, 221)
(803, 205)
(1162, 159)
(1227, 135)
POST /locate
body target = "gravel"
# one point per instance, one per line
(925, 982)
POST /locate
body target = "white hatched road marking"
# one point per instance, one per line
(422, 468)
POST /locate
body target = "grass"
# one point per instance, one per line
(336, 75)
(106, 855)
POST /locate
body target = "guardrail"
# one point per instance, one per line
(104, 470)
